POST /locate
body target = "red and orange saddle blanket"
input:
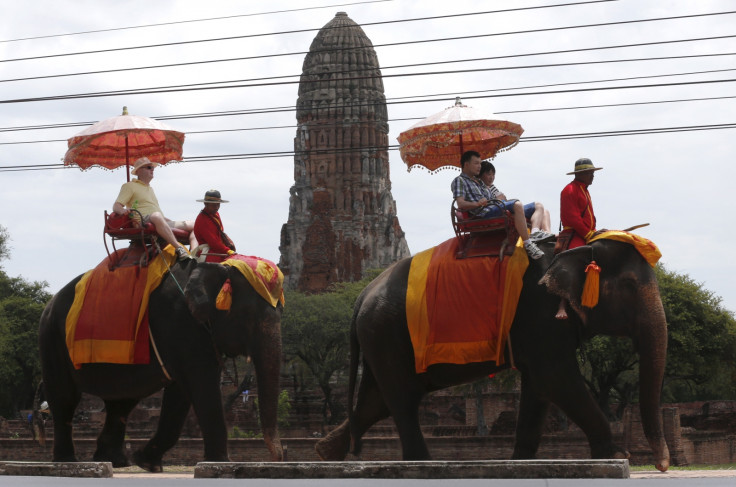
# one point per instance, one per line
(265, 277)
(460, 311)
(108, 320)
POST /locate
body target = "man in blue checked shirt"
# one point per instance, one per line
(473, 196)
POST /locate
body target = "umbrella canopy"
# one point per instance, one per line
(120, 141)
(439, 140)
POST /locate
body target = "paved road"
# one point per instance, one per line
(703, 478)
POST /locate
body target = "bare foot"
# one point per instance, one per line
(561, 311)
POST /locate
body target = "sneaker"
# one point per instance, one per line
(541, 235)
(534, 252)
(182, 254)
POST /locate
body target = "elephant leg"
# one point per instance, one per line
(562, 383)
(63, 397)
(532, 414)
(110, 441)
(204, 390)
(402, 393)
(369, 409)
(62, 405)
(266, 359)
(174, 409)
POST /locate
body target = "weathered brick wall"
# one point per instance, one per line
(699, 448)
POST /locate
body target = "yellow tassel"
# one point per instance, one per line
(225, 297)
(592, 284)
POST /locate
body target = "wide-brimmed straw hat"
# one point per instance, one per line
(143, 161)
(583, 165)
(212, 196)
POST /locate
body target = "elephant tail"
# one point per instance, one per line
(355, 443)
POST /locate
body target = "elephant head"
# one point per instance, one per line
(234, 328)
(202, 288)
(629, 305)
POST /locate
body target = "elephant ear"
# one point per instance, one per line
(202, 289)
(565, 277)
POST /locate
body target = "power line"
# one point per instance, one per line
(170, 88)
(430, 97)
(197, 87)
(528, 31)
(578, 107)
(191, 21)
(541, 138)
(450, 61)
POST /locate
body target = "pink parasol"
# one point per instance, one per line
(439, 140)
(122, 140)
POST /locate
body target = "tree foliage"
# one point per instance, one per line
(315, 331)
(701, 350)
(21, 305)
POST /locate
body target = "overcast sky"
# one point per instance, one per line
(680, 183)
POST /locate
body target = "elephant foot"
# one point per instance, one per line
(334, 447)
(150, 465)
(609, 450)
(65, 458)
(118, 459)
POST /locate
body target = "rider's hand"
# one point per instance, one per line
(482, 202)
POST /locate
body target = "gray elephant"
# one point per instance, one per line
(543, 350)
(190, 334)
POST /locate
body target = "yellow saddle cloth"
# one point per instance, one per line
(644, 246)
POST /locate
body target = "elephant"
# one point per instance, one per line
(543, 350)
(190, 335)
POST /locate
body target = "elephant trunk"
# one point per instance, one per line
(652, 345)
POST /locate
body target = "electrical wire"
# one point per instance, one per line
(384, 68)
(355, 78)
(528, 31)
(391, 100)
(113, 29)
(279, 154)
(341, 124)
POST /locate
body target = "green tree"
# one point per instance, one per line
(315, 331)
(701, 350)
(701, 357)
(21, 305)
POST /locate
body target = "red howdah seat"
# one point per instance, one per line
(143, 239)
(479, 237)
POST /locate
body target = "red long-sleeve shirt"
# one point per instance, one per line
(208, 230)
(576, 212)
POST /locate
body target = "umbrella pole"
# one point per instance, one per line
(127, 166)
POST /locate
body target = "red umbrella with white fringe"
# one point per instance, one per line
(439, 140)
(120, 141)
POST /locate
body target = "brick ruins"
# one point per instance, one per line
(696, 433)
(342, 216)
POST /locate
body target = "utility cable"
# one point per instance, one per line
(384, 68)
(356, 78)
(342, 124)
(528, 31)
(434, 97)
(113, 29)
(541, 138)
(488, 69)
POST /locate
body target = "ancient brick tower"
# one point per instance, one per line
(342, 216)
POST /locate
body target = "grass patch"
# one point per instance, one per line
(722, 466)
